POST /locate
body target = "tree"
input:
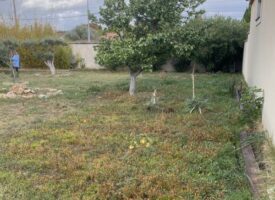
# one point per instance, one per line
(92, 18)
(147, 32)
(247, 15)
(4, 55)
(220, 44)
(44, 51)
(226, 42)
(80, 32)
(6, 47)
(48, 55)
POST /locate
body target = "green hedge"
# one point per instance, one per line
(32, 52)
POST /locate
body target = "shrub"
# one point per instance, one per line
(35, 44)
(3, 55)
(252, 102)
(195, 105)
(5, 47)
(64, 57)
(221, 45)
(33, 53)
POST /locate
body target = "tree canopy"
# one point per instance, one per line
(247, 14)
(5, 47)
(221, 42)
(148, 31)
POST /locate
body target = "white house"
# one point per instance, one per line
(86, 52)
(259, 57)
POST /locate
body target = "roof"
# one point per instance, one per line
(110, 36)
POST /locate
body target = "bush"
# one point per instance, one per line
(33, 52)
(252, 103)
(3, 55)
(221, 45)
(64, 57)
(5, 47)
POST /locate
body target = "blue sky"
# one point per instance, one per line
(232, 8)
(65, 14)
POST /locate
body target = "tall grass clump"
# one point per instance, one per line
(34, 31)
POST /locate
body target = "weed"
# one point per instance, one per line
(251, 102)
(122, 86)
(96, 89)
(195, 105)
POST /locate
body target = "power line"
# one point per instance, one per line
(14, 11)
(52, 18)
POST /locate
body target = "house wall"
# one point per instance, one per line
(87, 53)
(259, 59)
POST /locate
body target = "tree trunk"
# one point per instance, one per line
(193, 81)
(50, 64)
(133, 83)
(13, 74)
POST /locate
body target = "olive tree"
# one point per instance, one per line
(44, 50)
(6, 46)
(147, 31)
(48, 55)
(4, 55)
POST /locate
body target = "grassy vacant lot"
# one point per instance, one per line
(96, 142)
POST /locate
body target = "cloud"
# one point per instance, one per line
(69, 13)
(66, 14)
(56, 4)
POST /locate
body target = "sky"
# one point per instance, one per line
(66, 14)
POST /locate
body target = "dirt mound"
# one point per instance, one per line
(21, 90)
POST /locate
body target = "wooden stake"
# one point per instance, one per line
(193, 81)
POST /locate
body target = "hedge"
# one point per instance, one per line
(32, 52)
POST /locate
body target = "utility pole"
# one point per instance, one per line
(14, 13)
(88, 23)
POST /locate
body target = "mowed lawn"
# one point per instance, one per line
(97, 142)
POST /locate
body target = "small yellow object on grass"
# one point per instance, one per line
(143, 141)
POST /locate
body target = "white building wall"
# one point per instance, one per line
(87, 53)
(259, 59)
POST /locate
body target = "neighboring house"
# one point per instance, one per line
(87, 53)
(110, 36)
(259, 57)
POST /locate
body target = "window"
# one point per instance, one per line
(259, 10)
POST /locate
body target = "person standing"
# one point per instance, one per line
(15, 60)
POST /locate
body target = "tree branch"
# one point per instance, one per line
(135, 73)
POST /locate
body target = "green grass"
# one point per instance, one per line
(96, 142)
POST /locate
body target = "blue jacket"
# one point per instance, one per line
(15, 61)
